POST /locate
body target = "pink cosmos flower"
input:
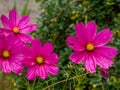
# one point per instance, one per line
(40, 60)
(19, 27)
(10, 55)
(90, 46)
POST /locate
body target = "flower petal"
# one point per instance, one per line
(104, 72)
(90, 63)
(29, 29)
(102, 61)
(36, 45)
(5, 32)
(29, 56)
(12, 42)
(53, 70)
(77, 57)
(23, 22)
(25, 38)
(81, 33)
(91, 29)
(42, 72)
(74, 44)
(5, 22)
(27, 51)
(6, 66)
(16, 64)
(47, 49)
(29, 61)
(31, 73)
(107, 51)
(13, 17)
(1, 60)
(103, 37)
(2, 43)
(51, 59)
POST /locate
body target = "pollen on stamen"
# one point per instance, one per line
(6, 54)
(39, 60)
(16, 30)
(90, 47)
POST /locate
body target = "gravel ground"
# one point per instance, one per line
(6, 5)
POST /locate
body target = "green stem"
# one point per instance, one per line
(2, 81)
(103, 87)
(64, 81)
(85, 19)
(11, 81)
(68, 77)
(33, 84)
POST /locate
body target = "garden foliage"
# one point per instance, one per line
(55, 23)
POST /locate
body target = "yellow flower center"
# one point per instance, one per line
(6, 54)
(39, 60)
(15, 30)
(90, 47)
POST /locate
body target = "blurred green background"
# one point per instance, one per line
(56, 20)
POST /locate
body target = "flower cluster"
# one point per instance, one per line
(40, 60)
(15, 54)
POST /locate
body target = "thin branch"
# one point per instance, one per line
(65, 8)
(64, 81)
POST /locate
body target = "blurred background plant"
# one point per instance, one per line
(55, 22)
